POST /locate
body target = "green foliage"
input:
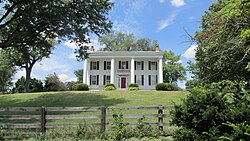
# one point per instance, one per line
(173, 70)
(69, 85)
(6, 72)
(80, 87)
(110, 84)
(109, 88)
(223, 43)
(166, 87)
(52, 83)
(24, 22)
(133, 85)
(191, 84)
(126, 42)
(241, 132)
(79, 75)
(133, 88)
(203, 114)
(35, 85)
(145, 130)
(81, 131)
(119, 129)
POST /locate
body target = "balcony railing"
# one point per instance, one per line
(123, 71)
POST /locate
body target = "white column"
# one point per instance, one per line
(112, 71)
(85, 71)
(132, 71)
(160, 71)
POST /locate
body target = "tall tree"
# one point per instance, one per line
(6, 72)
(53, 83)
(224, 42)
(73, 19)
(26, 57)
(114, 41)
(79, 75)
(172, 68)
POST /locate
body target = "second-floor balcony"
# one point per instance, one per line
(123, 71)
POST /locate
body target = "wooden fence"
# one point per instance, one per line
(10, 117)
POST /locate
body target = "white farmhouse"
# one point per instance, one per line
(123, 68)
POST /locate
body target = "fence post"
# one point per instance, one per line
(103, 119)
(160, 118)
(43, 120)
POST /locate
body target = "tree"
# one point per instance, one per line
(35, 85)
(51, 19)
(53, 83)
(6, 72)
(126, 42)
(224, 42)
(79, 75)
(172, 68)
(26, 57)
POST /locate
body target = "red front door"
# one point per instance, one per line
(123, 82)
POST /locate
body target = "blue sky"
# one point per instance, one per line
(163, 20)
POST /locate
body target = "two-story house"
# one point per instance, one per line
(123, 68)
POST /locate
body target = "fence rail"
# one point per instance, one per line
(42, 114)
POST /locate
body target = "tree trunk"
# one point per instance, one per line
(27, 79)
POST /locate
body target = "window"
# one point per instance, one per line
(106, 79)
(139, 79)
(94, 79)
(107, 65)
(123, 65)
(152, 79)
(139, 65)
(152, 65)
(94, 65)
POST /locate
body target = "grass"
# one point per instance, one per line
(95, 98)
(92, 98)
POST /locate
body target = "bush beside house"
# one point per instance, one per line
(133, 87)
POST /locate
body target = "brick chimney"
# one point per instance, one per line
(157, 48)
(92, 49)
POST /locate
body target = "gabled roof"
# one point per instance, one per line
(125, 54)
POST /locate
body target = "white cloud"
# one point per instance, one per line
(70, 44)
(190, 52)
(167, 22)
(178, 3)
(65, 78)
(53, 63)
(128, 22)
(93, 42)
(20, 73)
(162, 1)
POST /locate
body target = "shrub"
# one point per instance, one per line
(111, 84)
(133, 85)
(109, 88)
(166, 87)
(204, 113)
(80, 87)
(133, 88)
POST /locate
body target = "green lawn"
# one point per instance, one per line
(92, 98)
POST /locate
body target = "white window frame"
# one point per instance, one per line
(153, 79)
(153, 65)
(93, 79)
(108, 65)
(138, 65)
(94, 65)
(123, 65)
(107, 81)
(139, 79)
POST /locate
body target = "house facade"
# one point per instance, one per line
(123, 68)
